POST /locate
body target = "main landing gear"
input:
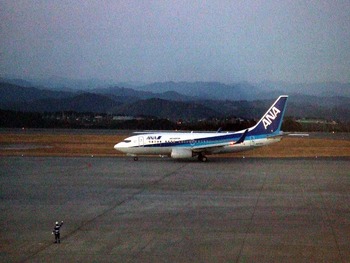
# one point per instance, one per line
(136, 158)
(202, 158)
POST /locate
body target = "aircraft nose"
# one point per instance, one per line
(120, 147)
(117, 146)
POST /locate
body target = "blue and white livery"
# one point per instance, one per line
(197, 144)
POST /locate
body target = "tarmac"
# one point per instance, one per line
(164, 210)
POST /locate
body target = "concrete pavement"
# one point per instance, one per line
(163, 210)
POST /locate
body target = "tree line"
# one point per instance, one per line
(75, 120)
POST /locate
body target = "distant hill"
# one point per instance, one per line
(85, 102)
(336, 108)
(331, 108)
(323, 89)
(10, 93)
(186, 101)
(247, 91)
(17, 82)
(139, 94)
(203, 90)
(242, 108)
(167, 109)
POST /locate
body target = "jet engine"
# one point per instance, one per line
(181, 153)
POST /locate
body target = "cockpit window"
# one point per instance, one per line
(127, 141)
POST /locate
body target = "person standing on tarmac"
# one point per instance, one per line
(56, 231)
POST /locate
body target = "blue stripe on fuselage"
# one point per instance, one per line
(209, 141)
(205, 141)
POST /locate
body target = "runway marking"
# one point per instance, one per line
(327, 221)
(131, 197)
(135, 255)
(251, 220)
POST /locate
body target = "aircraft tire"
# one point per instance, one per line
(202, 158)
(136, 159)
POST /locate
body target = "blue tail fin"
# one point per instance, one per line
(271, 122)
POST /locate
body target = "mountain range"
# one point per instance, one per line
(178, 100)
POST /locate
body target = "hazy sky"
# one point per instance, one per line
(226, 41)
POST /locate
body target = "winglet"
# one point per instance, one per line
(242, 138)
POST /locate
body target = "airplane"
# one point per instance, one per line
(179, 145)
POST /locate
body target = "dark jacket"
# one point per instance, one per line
(57, 227)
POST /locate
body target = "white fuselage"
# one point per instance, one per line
(210, 143)
(190, 144)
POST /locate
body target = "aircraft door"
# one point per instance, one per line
(192, 141)
(141, 141)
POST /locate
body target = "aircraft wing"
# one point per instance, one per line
(284, 134)
(217, 146)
